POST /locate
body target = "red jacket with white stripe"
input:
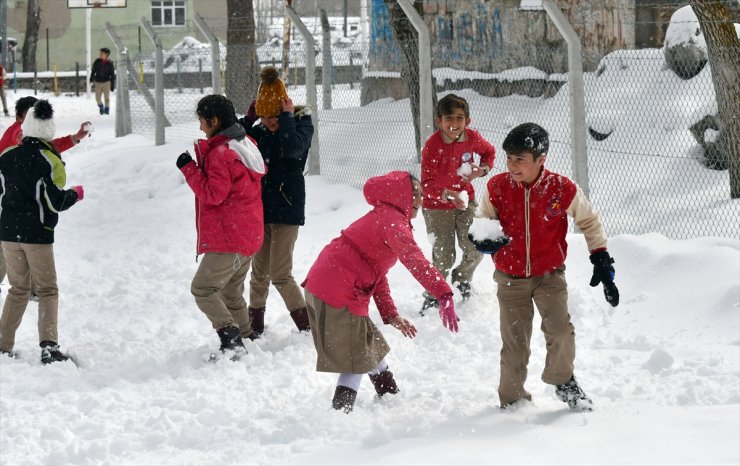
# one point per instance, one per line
(440, 161)
(535, 217)
(14, 135)
(353, 267)
(228, 195)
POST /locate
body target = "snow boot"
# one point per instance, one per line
(465, 290)
(50, 352)
(257, 317)
(574, 395)
(430, 302)
(344, 399)
(384, 383)
(101, 107)
(106, 110)
(230, 338)
(300, 317)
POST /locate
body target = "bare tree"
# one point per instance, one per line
(286, 42)
(723, 48)
(33, 24)
(242, 66)
(408, 41)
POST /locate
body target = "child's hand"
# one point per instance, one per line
(406, 327)
(454, 197)
(287, 105)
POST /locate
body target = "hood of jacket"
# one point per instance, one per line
(392, 189)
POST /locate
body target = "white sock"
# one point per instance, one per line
(350, 380)
(382, 366)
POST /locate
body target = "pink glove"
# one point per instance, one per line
(81, 193)
(447, 312)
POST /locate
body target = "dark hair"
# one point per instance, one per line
(219, 106)
(527, 137)
(23, 104)
(105, 50)
(450, 103)
(414, 181)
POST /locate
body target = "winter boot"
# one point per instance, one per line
(101, 107)
(300, 317)
(257, 316)
(344, 399)
(574, 395)
(464, 288)
(384, 383)
(106, 110)
(230, 338)
(430, 302)
(50, 352)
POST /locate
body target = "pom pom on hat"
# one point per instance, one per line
(270, 93)
(39, 121)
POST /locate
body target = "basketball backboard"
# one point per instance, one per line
(96, 3)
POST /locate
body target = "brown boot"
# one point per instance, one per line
(384, 383)
(300, 317)
(257, 317)
(344, 399)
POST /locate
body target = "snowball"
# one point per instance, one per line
(465, 169)
(88, 127)
(485, 228)
(465, 198)
(659, 360)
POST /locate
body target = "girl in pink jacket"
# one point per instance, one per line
(352, 269)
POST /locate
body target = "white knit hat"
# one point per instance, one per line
(39, 121)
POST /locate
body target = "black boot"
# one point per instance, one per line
(384, 383)
(230, 338)
(257, 317)
(50, 352)
(101, 107)
(573, 394)
(344, 399)
(429, 303)
(300, 317)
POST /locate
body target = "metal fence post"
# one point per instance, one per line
(158, 82)
(426, 112)
(314, 162)
(123, 108)
(577, 94)
(215, 53)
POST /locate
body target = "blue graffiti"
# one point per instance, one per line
(498, 35)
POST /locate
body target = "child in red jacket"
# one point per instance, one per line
(532, 205)
(351, 270)
(447, 169)
(228, 216)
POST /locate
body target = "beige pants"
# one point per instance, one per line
(5, 102)
(218, 288)
(445, 225)
(345, 343)
(517, 297)
(274, 263)
(2, 266)
(102, 89)
(22, 261)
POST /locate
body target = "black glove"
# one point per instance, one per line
(604, 274)
(183, 160)
(489, 246)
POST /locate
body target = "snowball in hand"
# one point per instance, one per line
(88, 127)
(465, 169)
(485, 228)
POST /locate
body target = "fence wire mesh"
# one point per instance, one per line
(650, 118)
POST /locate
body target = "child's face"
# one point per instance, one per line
(210, 128)
(417, 198)
(271, 123)
(453, 124)
(523, 167)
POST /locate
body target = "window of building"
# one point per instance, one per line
(168, 12)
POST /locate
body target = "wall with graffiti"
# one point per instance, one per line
(491, 36)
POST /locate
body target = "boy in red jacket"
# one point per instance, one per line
(352, 269)
(447, 169)
(228, 216)
(532, 205)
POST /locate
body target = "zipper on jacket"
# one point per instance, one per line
(284, 196)
(528, 267)
(198, 210)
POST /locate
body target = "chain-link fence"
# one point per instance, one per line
(650, 118)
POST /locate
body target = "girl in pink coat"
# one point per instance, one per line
(352, 269)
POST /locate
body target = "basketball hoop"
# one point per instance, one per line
(97, 4)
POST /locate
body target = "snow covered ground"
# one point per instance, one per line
(663, 368)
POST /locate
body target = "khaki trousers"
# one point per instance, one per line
(445, 225)
(2, 266)
(517, 297)
(22, 261)
(2, 96)
(274, 263)
(218, 288)
(102, 89)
